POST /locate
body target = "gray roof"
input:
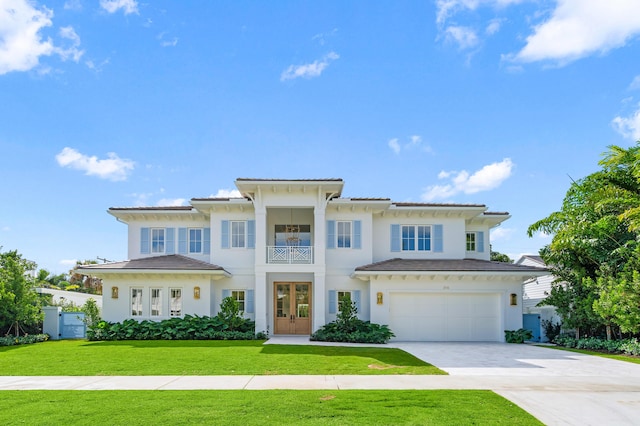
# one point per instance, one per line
(445, 265)
(171, 262)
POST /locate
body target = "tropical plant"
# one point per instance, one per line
(596, 246)
(518, 336)
(349, 328)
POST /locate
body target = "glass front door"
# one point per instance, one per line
(292, 308)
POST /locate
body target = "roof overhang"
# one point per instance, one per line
(446, 275)
(248, 187)
(139, 273)
(128, 214)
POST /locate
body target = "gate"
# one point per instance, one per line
(72, 325)
(532, 322)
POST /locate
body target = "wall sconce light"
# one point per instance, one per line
(513, 299)
(114, 292)
(196, 292)
(379, 298)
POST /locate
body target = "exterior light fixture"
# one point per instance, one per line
(379, 298)
(513, 299)
(114, 292)
(196, 292)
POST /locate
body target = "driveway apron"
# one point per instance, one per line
(557, 387)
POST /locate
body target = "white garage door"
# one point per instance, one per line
(445, 317)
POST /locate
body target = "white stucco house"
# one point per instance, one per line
(535, 290)
(288, 249)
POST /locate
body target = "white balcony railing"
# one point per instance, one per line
(290, 255)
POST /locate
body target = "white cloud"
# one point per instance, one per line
(464, 37)
(5, 229)
(320, 38)
(227, 193)
(113, 168)
(21, 43)
(394, 145)
(579, 28)
(172, 202)
(493, 27)
(635, 83)
(447, 8)
(127, 6)
(313, 69)
(414, 142)
(166, 43)
(68, 262)
(73, 52)
(489, 177)
(629, 127)
(73, 5)
(500, 233)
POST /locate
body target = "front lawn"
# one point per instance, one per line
(443, 407)
(202, 357)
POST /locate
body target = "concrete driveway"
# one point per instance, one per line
(558, 387)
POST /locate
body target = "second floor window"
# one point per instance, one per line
(238, 234)
(343, 234)
(195, 240)
(157, 240)
(416, 237)
(471, 241)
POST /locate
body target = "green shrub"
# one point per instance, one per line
(191, 327)
(551, 329)
(626, 346)
(518, 336)
(349, 328)
(23, 340)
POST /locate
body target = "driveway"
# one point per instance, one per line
(558, 387)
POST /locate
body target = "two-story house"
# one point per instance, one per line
(289, 249)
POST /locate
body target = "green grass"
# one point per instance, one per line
(619, 357)
(282, 407)
(202, 357)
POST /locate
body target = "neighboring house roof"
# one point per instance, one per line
(528, 259)
(410, 266)
(169, 263)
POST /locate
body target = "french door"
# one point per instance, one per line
(292, 308)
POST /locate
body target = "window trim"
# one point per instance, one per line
(171, 298)
(158, 304)
(415, 239)
(152, 241)
(471, 242)
(189, 240)
(343, 235)
(244, 234)
(138, 299)
(242, 304)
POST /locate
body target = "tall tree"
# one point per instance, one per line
(19, 303)
(594, 236)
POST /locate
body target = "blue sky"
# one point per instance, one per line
(111, 103)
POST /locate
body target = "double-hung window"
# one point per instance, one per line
(343, 234)
(195, 240)
(471, 241)
(175, 302)
(238, 234)
(416, 237)
(475, 241)
(157, 240)
(239, 296)
(136, 302)
(156, 302)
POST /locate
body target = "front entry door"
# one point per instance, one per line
(292, 308)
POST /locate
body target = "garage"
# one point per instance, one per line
(442, 317)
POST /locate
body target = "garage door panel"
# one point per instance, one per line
(445, 317)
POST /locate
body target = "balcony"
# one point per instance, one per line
(291, 255)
